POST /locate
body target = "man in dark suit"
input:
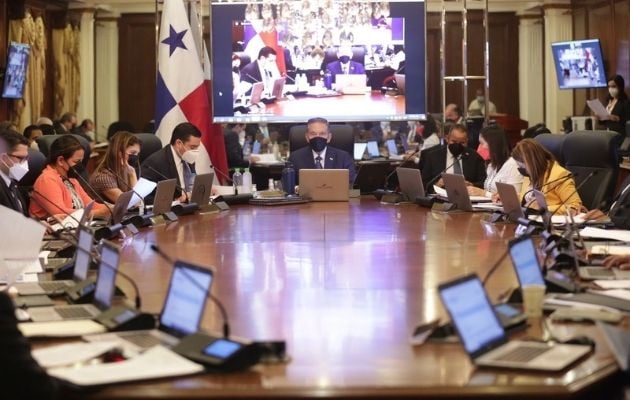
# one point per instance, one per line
(233, 148)
(344, 64)
(264, 69)
(176, 160)
(454, 158)
(13, 167)
(318, 155)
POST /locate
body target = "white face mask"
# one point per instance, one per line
(17, 171)
(190, 156)
(613, 92)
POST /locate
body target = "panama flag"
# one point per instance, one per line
(181, 94)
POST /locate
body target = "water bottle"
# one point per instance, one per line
(237, 179)
(270, 185)
(247, 149)
(288, 179)
(247, 181)
(328, 80)
(275, 149)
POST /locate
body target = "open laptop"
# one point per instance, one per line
(103, 293)
(400, 83)
(120, 207)
(372, 149)
(525, 261)
(324, 184)
(457, 193)
(590, 272)
(350, 84)
(81, 267)
(485, 340)
(510, 201)
(392, 149)
(359, 150)
(202, 189)
(181, 313)
(278, 88)
(164, 196)
(256, 147)
(410, 182)
(257, 92)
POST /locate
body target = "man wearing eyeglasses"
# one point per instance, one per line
(318, 155)
(13, 167)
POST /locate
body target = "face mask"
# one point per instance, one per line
(480, 99)
(484, 152)
(235, 65)
(522, 171)
(613, 92)
(456, 148)
(190, 156)
(75, 171)
(318, 144)
(344, 59)
(18, 170)
(132, 159)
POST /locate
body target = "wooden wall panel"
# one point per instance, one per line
(136, 68)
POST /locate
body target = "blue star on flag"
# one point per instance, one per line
(175, 40)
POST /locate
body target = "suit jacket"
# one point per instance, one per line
(622, 110)
(433, 163)
(559, 195)
(620, 210)
(251, 73)
(160, 166)
(335, 68)
(7, 200)
(335, 159)
(22, 377)
(234, 150)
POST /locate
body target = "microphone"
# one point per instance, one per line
(435, 178)
(253, 78)
(401, 164)
(223, 174)
(161, 175)
(564, 178)
(137, 300)
(494, 268)
(168, 259)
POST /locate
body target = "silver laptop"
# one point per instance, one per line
(188, 290)
(457, 193)
(510, 201)
(525, 261)
(400, 83)
(350, 84)
(103, 293)
(81, 267)
(278, 88)
(359, 150)
(120, 207)
(202, 189)
(410, 182)
(324, 184)
(392, 149)
(484, 338)
(164, 196)
(257, 92)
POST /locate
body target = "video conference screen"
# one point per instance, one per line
(15, 73)
(287, 61)
(579, 64)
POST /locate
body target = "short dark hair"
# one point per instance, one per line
(266, 51)
(459, 127)
(67, 117)
(47, 129)
(316, 120)
(64, 146)
(184, 131)
(13, 139)
(28, 131)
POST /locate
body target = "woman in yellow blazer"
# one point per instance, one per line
(542, 172)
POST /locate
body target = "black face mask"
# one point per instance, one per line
(344, 59)
(318, 144)
(75, 171)
(456, 149)
(522, 171)
(132, 159)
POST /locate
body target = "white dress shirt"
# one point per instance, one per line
(179, 166)
(322, 155)
(507, 174)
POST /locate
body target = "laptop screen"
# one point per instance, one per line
(82, 257)
(526, 266)
(256, 147)
(391, 147)
(186, 298)
(372, 148)
(106, 281)
(472, 314)
(359, 149)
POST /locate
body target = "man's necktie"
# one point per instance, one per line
(16, 196)
(318, 162)
(188, 176)
(457, 167)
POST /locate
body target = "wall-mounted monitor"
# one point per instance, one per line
(15, 72)
(579, 64)
(281, 61)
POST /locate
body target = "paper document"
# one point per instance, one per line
(71, 221)
(224, 190)
(616, 293)
(614, 234)
(610, 250)
(598, 109)
(67, 355)
(143, 188)
(613, 283)
(560, 219)
(440, 191)
(60, 328)
(157, 362)
(19, 244)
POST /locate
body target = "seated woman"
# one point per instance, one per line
(501, 168)
(57, 192)
(115, 173)
(542, 172)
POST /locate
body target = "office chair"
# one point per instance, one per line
(342, 137)
(44, 143)
(150, 144)
(587, 152)
(553, 143)
(118, 126)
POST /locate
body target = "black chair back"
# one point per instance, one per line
(44, 143)
(554, 143)
(592, 155)
(36, 164)
(150, 144)
(342, 137)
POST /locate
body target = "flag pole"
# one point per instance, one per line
(157, 40)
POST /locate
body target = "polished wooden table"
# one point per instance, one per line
(344, 284)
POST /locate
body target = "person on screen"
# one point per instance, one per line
(318, 154)
(115, 174)
(478, 105)
(264, 69)
(501, 168)
(13, 167)
(344, 64)
(542, 172)
(453, 158)
(617, 106)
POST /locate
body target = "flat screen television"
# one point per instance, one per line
(15, 72)
(579, 64)
(311, 39)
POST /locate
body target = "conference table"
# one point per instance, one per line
(345, 283)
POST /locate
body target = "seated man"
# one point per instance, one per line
(13, 167)
(619, 212)
(479, 104)
(318, 155)
(264, 69)
(454, 158)
(344, 64)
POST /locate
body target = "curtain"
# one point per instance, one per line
(67, 71)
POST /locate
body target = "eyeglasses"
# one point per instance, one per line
(19, 158)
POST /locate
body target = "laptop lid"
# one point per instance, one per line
(359, 150)
(372, 149)
(510, 201)
(256, 147)
(391, 147)
(278, 88)
(257, 91)
(202, 189)
(87, 212)
(525, 261)
(410, 181)
(164, 196)
(473, 316)
(106, 280)
(400, 83)
(83, 254)
(121, 206)
(350, 84)
(324, 184)
(186, 299)
(457, 192)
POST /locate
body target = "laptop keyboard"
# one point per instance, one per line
(53, 286)
(522, 354)
(601, 272)
(73, 312)
(142, 340)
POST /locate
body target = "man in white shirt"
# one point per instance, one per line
(478, 105)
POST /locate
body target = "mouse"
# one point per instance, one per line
(583, 340)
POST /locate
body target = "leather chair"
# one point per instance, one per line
(592, 152)
(44, 143)
(150, 144)
(554, 143)
(342, 137)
